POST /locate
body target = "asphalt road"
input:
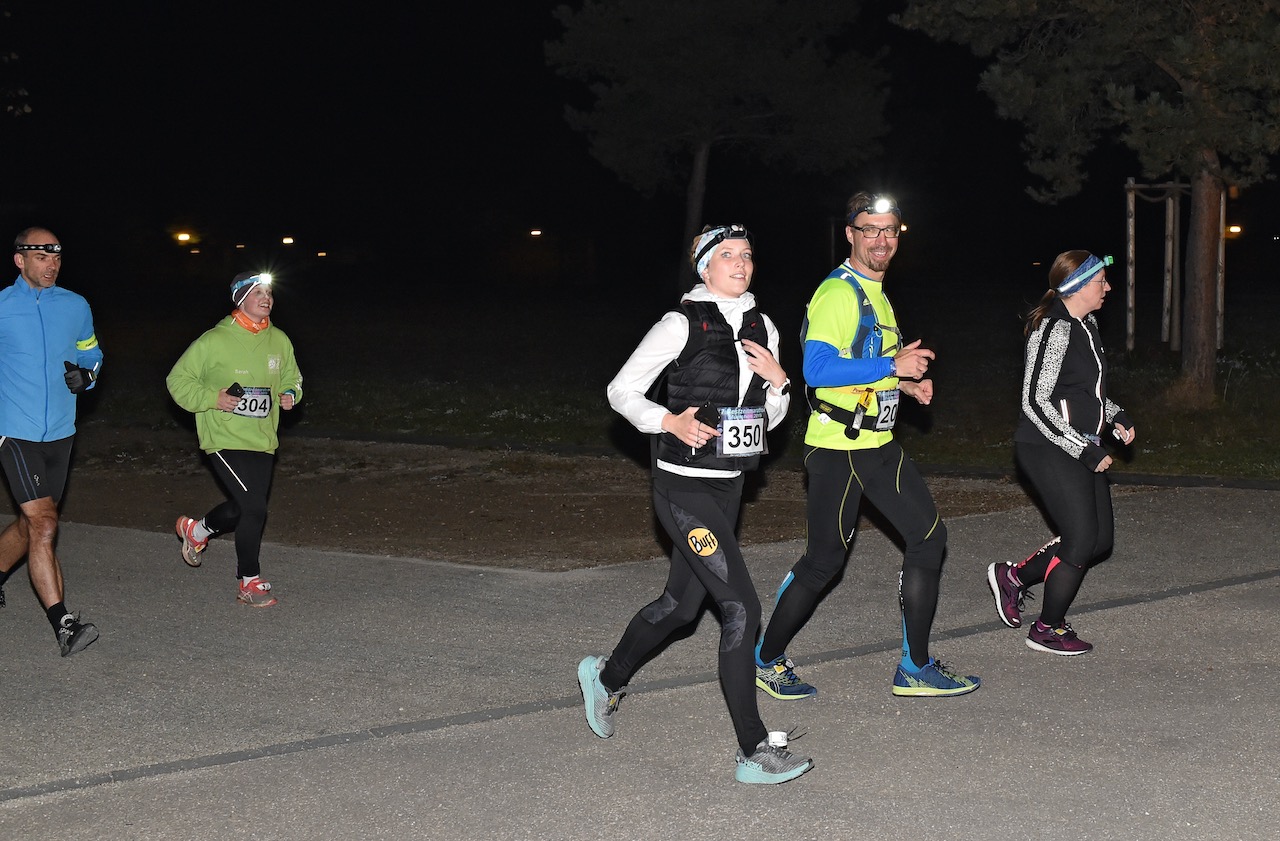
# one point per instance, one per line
(390, 697)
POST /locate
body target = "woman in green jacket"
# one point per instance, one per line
(235, 379)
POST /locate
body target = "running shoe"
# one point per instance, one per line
(933, 680)
(191, 548)
(1060, 640)
(600, 703)
(255, 593)
(779, 680)
(75, 636)
(1008, 593)
(771, 763)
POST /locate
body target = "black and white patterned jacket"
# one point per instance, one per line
(1064, 387)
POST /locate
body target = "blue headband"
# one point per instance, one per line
(1077, 279)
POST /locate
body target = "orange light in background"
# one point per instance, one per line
(536, 232)
(287, 240)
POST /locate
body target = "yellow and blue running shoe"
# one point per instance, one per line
(779, 680)
(932, 680)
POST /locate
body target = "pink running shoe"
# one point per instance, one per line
(191, 548)
(256, 593)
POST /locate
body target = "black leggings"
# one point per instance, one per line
(1077, 502)
(246, 477)
(701, 516)
(891, 482)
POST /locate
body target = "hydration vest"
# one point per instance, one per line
(866, 344)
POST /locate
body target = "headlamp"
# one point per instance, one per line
(46, 247)
(877, 204)
(260, 279)
(719, 234)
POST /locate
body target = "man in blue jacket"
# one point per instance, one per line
(48, 355)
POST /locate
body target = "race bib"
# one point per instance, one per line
(741, 432)
(256, 403)
(888, 412)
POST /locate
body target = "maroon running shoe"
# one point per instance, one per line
(1060, 640)
(1008, 593)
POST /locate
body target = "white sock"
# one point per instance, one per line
(200, 531)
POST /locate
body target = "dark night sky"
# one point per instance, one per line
(421, 139)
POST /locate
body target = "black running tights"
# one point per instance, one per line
(701, 516)
(1077, 502)
(246, 477)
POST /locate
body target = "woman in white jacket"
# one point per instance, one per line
(724, 389)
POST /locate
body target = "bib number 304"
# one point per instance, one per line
(256, 403)
(741, 432)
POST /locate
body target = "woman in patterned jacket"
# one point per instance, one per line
(1066, 417)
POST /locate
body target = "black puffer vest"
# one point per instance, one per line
(706, 373)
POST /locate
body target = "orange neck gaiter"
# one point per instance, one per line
(248, 323)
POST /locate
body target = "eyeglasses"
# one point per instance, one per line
(871, 231)
(47, 247)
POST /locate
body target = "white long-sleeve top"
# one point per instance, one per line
(661, 345)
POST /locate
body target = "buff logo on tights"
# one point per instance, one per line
(703, 542)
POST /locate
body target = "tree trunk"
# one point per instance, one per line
(695, 194)
(1200, 310)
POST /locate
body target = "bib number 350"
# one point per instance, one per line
(741, 432)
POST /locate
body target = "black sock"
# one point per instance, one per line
(55, 614)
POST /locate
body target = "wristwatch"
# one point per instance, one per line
(893, 367)
(785, 388)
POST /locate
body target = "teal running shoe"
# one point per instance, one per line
(771, 763)
(600, 703)
(933, 680)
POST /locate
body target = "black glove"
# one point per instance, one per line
(78, 379)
